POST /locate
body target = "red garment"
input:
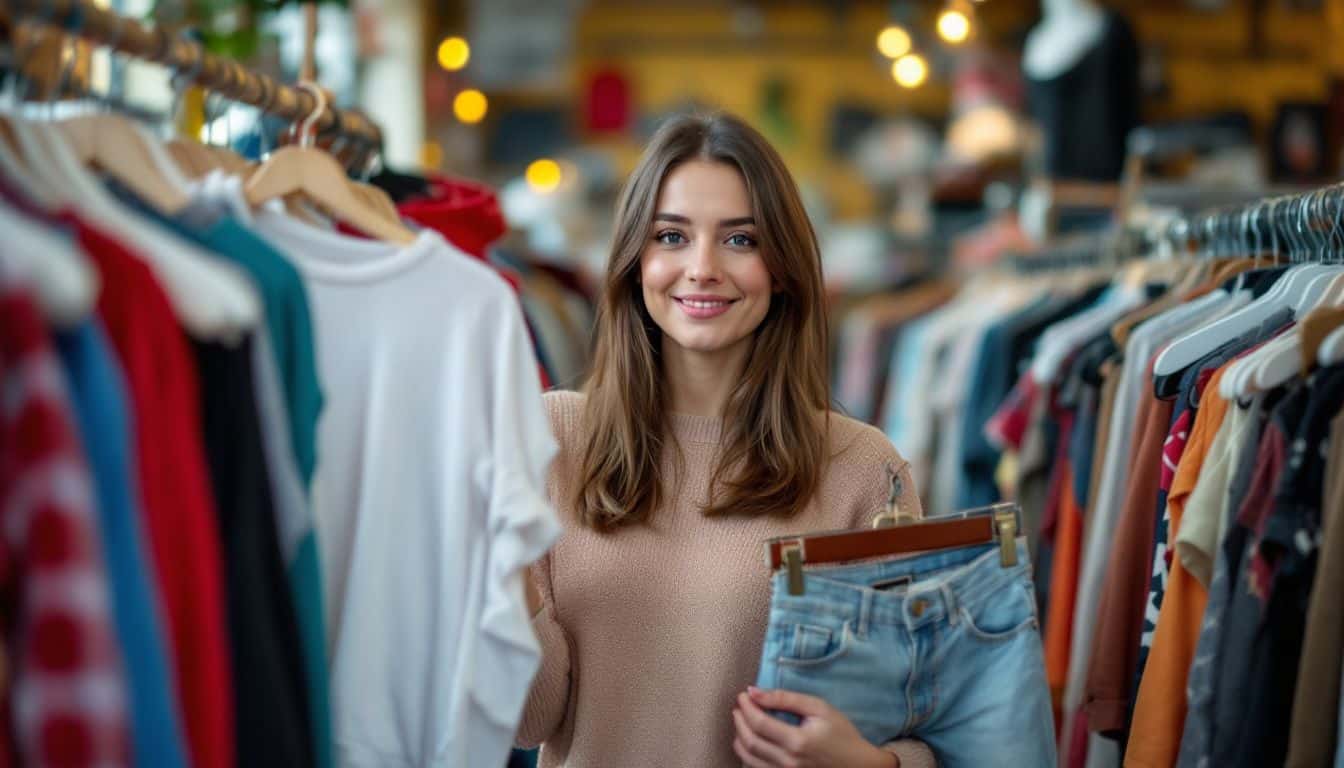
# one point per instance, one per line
(465, 212)
(1008, 426)
(65, 698)
(1075, 743)
(1173, 447)
(608, 108)
(178, 503)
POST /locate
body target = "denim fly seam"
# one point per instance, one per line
(948, 650)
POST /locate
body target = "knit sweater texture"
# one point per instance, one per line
(649, 633)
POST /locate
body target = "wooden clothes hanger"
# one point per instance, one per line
(111, 144)
(316, 175)
(1332, 349)
(210, 298)
(895, 534)
(1315, 329)
(196, 159)
(373, 196)
(34, 186)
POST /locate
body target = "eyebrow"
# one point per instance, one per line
(679, 219)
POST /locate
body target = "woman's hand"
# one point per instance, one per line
(825, 739)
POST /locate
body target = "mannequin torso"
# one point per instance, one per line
(1068, 30)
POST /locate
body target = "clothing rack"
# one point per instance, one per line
(1306, 226)
(1298, 227)
(196, 66)
(1107, 248)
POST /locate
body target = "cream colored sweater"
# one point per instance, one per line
(649, 633)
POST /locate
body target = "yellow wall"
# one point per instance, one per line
(1210, 64)
(674, 53)
(677, 55)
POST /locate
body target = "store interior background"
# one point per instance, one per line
(905, 169)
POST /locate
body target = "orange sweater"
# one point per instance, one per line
(648, 634)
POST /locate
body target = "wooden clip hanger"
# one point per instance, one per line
(317, 176)
(897, 535)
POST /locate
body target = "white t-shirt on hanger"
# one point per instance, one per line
(429, 495)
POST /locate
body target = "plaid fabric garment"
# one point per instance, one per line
(64, 692)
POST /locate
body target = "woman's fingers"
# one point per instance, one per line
(748, 759)
(772, 728)
(758, 745)
(798, 703)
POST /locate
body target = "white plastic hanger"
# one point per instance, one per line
(1312, 284)
(1191, 347)
(1280, 360)
(1277, 362)
(1334, 292)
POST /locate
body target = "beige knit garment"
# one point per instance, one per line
(648, 634)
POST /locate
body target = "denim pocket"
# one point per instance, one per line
(1003, 614)
(814, 645)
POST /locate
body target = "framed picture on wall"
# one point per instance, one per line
(1299, 144)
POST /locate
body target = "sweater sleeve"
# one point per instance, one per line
(548, 700)
(871, 473)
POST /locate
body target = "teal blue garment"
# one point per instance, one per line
(98, 392)
(290, 332)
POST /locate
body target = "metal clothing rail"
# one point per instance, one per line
(194, 64)
(1307, 226)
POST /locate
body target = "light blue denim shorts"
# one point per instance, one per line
(943, 647)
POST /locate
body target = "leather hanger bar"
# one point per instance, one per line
(984, 525)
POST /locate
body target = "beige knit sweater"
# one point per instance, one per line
(649, 633)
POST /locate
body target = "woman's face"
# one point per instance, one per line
(703, 278)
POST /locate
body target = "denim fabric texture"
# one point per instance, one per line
(944, 647)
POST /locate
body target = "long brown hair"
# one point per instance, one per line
(773, 443)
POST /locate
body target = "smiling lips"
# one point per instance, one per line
(703, 307)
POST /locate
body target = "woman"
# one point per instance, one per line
(702, 430)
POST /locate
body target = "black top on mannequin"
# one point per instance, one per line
(1085, 108)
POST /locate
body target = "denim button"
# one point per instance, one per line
(917, 607)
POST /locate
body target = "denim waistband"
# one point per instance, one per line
(922, 589)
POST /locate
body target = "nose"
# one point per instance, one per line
(704, 264)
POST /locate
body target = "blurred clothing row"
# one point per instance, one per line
(1168, 428)
(268, 488)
